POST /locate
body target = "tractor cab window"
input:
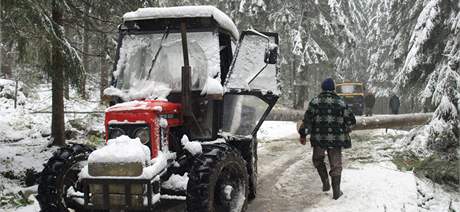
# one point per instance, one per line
(150, 64)
(251, 83)
(204, 110)
(251, 70)
(242, 113)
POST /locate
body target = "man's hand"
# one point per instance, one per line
(303, 140)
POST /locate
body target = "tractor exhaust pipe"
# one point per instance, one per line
(186, 74)
(187, 111)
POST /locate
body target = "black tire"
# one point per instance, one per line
(59, 174)
(248, 149)
(252, 169)
(219, 167)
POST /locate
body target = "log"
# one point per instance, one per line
(285, 114)
(362, 122)
(392, 121)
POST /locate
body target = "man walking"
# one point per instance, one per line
(328, 121)
(394, 104)
(369, 101)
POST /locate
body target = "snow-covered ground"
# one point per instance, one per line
(24, 136)
(370, 181)
(287, 178)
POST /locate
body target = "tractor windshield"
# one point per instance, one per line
(137, 54)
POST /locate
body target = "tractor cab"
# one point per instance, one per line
(229, 89)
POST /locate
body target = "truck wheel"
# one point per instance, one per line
(218, 181)
(61, 175)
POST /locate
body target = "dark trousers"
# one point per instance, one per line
(335, 159)
(368, 111)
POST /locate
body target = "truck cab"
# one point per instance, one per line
(353, 95)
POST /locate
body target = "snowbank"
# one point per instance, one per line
(432, 197)
(185, 11)
(277, 130)
(121, 149)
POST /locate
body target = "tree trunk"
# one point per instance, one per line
(66, 86)
(57, 81)
(362, 122)
(293, 88)
(5, 62)
(103, 66)
(301, 90)
(85, 57)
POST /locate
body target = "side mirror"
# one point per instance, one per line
(271, 54)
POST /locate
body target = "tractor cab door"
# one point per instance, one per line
(252, 85)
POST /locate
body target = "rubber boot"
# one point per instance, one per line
(322, 171)
(336, 192)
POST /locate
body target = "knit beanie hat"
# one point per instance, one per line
(328, 85)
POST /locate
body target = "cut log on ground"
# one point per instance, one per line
(392, 121)
(362, 122)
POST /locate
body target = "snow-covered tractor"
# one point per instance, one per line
(189, 93)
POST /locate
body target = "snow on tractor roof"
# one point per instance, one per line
(184, 12)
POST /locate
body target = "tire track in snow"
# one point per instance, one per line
(289, 182)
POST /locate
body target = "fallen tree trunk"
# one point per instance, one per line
(362, 122)
(392, 121)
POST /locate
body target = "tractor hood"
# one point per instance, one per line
(158, 106)
(153, 114)
(145, 111)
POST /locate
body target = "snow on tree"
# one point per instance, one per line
(431, 66)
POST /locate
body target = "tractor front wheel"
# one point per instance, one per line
(218, 181)
(58, 184)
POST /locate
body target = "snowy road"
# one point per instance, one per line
(370, 181)
(289, 182)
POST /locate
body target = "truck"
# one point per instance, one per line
(190, 92)
(353, 95)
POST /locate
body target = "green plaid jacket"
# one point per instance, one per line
(328, 120)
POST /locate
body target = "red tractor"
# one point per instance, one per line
(179, 71)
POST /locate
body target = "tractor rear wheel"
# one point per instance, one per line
(252, 169)
(218, 181)
(60, 177)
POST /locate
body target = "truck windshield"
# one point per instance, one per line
(349, 88)
(138, 52)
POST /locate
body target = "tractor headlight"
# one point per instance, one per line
(142, 134)
(116, 132)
